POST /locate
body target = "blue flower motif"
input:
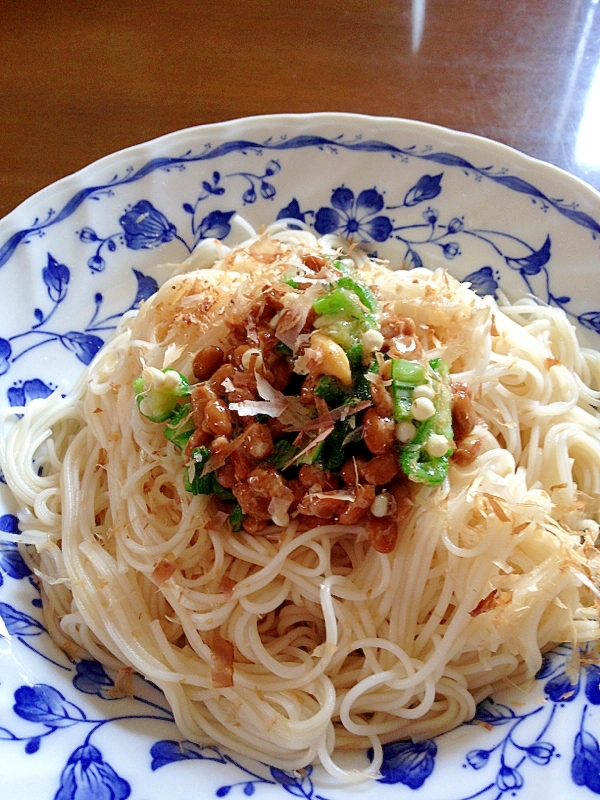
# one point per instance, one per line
(533, 263)
(11, 562)
(92, 679)
(540, 752)
(84, 345)
(30, 390)
(17, 623)
(9, 523)
(43, 703)
(456, 225)
(267, 190)
(590, 320)
(145, 227)
(168, 750)
(147, 286)
(585, 767)
(592, 683)
(292, 211)
(482, 281)
(431, 215)
(88, 777)
(410, 763)
(560, 688)
(215, 225)
(451, 249)
(478, 758)
(88, 235)
(426, 188)
(56, 277)
(5, 354)
(349, 216)
(508, 779)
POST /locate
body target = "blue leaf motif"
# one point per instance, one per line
(5, 354)
(9, 523)
(168, 750)
(482, 281)
(146, 227)
(533, 263)
(43, 703)
(223, 791)
(590, 320)
(592, 684)
(410, 763)
(92, 679)
(249, 789)
(18, 623)
(84, 345)
(492, 713)
(146, 287)
(560, 689)
(369, 201)
(30, 390)
(38, 314)
(414, 259)
(426, 188)
(291, 211)
(88, 777)
(11, 561)
(379, 228)
(188, 208)
(56, 277)
(216, 225)
(342, 198)
(585, 767)
(552, 663)
(327, 220)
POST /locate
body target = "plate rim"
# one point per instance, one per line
(516, 157)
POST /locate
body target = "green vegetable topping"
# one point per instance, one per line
(332, 391)
(197, 483)
(415, 461)
(176, 430)
(236, 518)
(283, 452)
(364, 294)
(405, 376)
(342, 302)
(158, 392)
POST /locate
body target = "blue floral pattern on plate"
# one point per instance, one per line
(88, 251)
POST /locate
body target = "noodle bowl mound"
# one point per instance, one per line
(319, 503)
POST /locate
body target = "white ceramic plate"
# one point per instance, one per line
(81, 252)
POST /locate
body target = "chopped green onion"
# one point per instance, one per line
(197, 483)
(343, 303)
(176, 430)
(283, 452)
(332, 454)
(364, 294)
(283, 349)
(332, 391)
(236, 518)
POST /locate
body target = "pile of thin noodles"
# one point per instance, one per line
(335, 644)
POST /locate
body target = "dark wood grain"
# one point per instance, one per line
(79, 80)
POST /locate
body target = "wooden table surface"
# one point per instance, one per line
(79, 80)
